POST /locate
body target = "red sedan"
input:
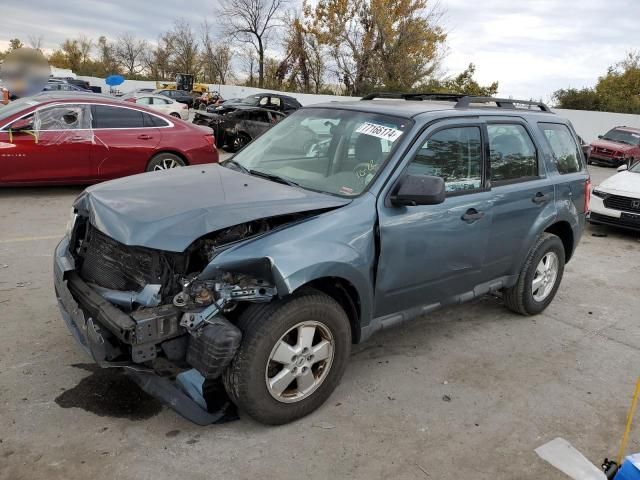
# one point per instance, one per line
(56, 138)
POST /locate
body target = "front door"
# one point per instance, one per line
(57, 147)
(431, 254)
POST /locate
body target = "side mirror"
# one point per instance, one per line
(22, 125)
(623, 167)
(414, 190)
(600, 136)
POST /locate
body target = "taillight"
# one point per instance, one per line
(211, 141)
(587, 195)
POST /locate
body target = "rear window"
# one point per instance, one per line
(565, 150)
(116, 117)
(513, 154)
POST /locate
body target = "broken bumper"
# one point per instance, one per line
(184, 395)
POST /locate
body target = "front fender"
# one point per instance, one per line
(339, 243)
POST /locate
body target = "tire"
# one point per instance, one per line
(165, 161)
(240, 141)
(175, 114)
(264, 326)
(522, 298)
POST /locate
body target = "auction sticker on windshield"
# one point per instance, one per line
(380, 131)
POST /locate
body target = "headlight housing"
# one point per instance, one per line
(72, 222)
(599, 193)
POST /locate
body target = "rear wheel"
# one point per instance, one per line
(540, 277)
(292, 357)
(165, 161)
(175, 114)
(240, 141)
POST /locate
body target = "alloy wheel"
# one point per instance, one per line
(545, 276)
(167, 163)
(299, 362)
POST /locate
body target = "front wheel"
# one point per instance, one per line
(240, 141)
(539, 278)
(293, 354)
(165, 161)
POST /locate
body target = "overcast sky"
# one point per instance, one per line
(532, 47)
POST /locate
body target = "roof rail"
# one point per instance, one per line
(462, 101)
(465, 102)
(451, 97)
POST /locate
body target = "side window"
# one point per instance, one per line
(261, 117)
(513, 154)
(275, 101)
(159, 101)
(264, 101)
(564, 148)
(62, 117)
(455, 154)
(153, 121)
(144, 100)
(116, 117)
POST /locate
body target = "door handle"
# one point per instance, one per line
(540, 198)
(77, 138)
(472, 215)
(145, 137)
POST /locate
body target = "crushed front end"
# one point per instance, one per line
(149, 311)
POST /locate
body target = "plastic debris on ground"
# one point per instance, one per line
(562, 455)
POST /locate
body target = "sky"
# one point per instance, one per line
(532, 47)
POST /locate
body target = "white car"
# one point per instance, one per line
(161, 103)
(616, 201)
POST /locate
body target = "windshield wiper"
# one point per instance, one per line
(272, 177)
(238, 165)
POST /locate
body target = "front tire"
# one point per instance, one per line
(293, 355)
(165, 161)
(539, 278)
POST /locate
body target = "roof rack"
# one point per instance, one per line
(462, 101)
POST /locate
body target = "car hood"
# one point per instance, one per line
(615, 146)
(169, 210)
(623, 182)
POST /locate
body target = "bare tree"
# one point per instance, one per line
(107, 63)
(129, 53)
(249, 59)
(185, 48)
(252, 21)
(35, 41)
(86, 45)
(157, 58)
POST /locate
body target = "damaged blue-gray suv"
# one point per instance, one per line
(245, 284)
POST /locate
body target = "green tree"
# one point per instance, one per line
(462, 83)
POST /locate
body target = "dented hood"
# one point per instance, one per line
(169, 210)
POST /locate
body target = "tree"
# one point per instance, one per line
(252, 22)
(216, 57)
(71, 51)
(185, 48)
(129, 54)
(379, 44)
(15, 44)
(157, 59)
(36, 42)
(107, 63)
(617, 91)
(462, 83)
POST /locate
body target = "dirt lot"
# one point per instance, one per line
(467, 392)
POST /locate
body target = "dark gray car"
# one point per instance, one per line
(258, 274)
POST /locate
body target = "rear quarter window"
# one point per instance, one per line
(566, 153)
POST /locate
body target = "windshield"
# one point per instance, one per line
(251, 100)
(326, 149)
(635, 168)
(622, 136)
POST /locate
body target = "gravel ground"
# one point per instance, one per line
(467, 392)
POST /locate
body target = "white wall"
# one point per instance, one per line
(588, 124)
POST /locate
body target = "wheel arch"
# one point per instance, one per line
(173, 152)
(346, 294)
(563, 230)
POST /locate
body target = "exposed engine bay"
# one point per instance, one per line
(151, 307)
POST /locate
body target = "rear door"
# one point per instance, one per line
(57, 149)
(523, 194)
(126, 139)
(431, 254)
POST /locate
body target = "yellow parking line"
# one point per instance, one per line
(30, 239)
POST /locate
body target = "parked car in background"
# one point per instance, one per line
(65, 138)
(620, 145)
(177, 95)
(236, 129)
(616, 201)
(53, 86)
(138, 91)
(272, 101)
(260, 273)
(160, 103)
(586, 148)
